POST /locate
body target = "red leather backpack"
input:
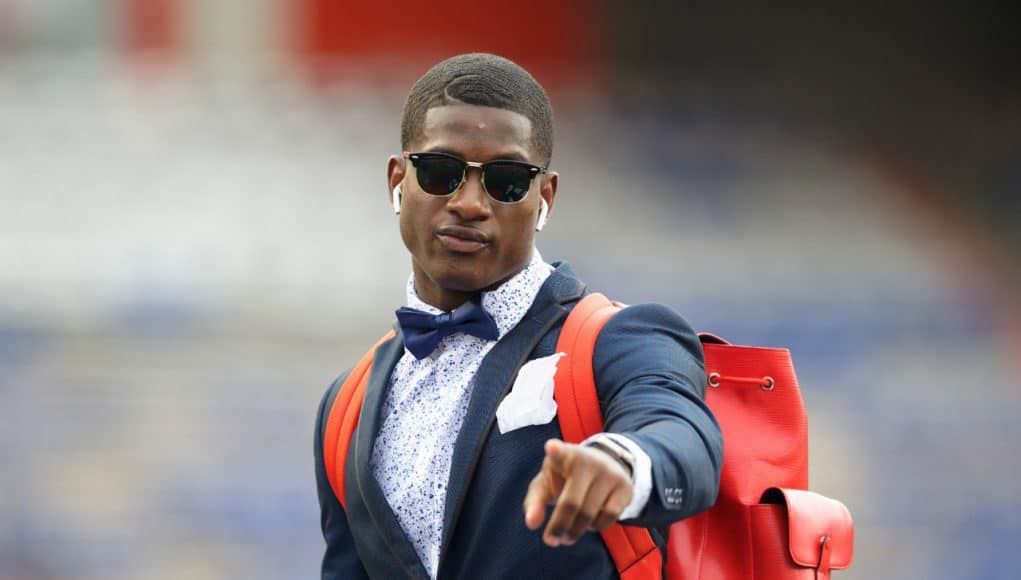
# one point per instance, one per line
(764, 525)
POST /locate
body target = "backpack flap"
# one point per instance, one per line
(820, 529)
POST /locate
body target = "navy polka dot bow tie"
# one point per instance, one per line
(423, 331)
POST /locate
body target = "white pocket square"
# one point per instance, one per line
(530, 401)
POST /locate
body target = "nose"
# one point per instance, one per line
(470, 202)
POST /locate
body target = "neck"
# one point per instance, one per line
(447, 299)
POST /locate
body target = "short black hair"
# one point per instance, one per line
(485, 80)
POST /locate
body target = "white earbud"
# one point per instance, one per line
(397, 199)
(543, 212)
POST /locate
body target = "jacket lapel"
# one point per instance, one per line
(375, 504)
(493, 381)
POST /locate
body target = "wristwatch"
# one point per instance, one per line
(615, 450)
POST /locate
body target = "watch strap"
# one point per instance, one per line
(615, 450)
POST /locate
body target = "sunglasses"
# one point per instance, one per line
(504, 180)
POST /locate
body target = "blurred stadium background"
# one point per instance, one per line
(195, 241)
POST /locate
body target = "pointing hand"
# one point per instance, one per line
(589, 488)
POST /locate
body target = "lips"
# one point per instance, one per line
(461, 239)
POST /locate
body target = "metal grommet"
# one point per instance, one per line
(770, 383)
(714, 380)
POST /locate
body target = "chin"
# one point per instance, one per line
(460, 278)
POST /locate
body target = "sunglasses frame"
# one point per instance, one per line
(534, 169)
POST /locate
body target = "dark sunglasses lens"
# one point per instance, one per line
(439, 175)
(507, 183)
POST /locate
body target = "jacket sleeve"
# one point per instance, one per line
(340, 560)
(650, 375)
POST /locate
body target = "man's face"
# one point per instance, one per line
(467, 242)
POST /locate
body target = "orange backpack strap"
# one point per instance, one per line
(632, 548)
(343, 418)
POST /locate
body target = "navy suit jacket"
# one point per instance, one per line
(650, 377)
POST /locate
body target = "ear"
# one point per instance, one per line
(548, 189)
(395, 173)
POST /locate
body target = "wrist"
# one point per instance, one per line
(616, 451)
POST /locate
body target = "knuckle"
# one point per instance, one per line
(613, 511)
(580, 525)
(586, 518)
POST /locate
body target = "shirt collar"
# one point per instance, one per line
(508, 303)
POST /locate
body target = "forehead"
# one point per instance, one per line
(477, 133)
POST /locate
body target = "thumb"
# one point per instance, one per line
(556, 453)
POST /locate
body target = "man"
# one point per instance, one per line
(437, 485)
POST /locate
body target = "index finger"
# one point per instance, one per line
(538, 497)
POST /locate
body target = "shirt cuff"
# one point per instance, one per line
(641, 475)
